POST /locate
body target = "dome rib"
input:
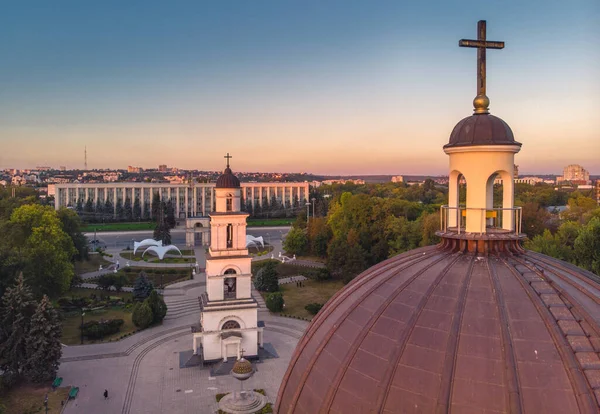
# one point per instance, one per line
(515, 401)
(332, 305)
(449, 369)
(329, 399)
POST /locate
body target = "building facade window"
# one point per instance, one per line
(229, 236)
(230, 325)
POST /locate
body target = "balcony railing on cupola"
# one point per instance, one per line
(488, 221)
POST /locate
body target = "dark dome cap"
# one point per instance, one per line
(228, 180)
(481, 129)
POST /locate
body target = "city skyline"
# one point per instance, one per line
(339, 89)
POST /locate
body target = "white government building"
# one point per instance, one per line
(191, 200)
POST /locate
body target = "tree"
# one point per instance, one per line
(99, 212)
(142, 287)
(88, 209)
(119, 280)
(587, 246)
(170, 215)
(127, 209)
(105, 281)
(142, 315)
(296, 241)
(44, 249)
(15, 315)
(155, 205)
(146, 213)
(274, 302)
(43, 343)
(71, 224)
(137, 210)
(534, 219)
(162, 230)
(79, 206)
(158, 307)
(109, 210)
(119, 209)
(266, 278)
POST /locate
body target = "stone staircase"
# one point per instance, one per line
(181, 307)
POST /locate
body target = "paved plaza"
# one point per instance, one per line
(143, 373)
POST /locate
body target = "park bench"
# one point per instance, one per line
(73, 392)
(57, 382)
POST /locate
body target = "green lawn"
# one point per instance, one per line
(72, 334)
(99, 227)
(24, 399)
(157, 275)
(91, 265)
(269, 222)
(85, 293)
(285, 269)
(296, 298)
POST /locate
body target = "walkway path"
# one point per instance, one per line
(292, 279)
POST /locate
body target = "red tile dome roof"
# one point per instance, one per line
(481, 129)
(227, 180)
(434, 331)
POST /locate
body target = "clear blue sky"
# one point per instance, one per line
(320, 86)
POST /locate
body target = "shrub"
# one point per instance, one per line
(119, 281)
(100, 329)
(142, 315)
(313, 308)
(158, 307)
(274, 302)
(266, 278)
(142, 287)
(105, 281)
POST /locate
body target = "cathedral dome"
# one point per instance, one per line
(435, 331)
(227, 180)
(481, 129)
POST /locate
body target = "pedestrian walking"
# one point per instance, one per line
(105, 394)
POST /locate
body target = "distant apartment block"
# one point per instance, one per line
(575, 173)
(398, 179)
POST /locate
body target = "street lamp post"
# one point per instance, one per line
(313, 204)
(82, 315)
(307, 213)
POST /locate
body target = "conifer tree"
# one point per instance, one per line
(142, 315)
(127, 209)
(170, 215)
(158, 307)
(43, 343)
(142, 287)
(15, 314)
(137, 209)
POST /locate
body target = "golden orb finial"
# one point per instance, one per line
(481, 104)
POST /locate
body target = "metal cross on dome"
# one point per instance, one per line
(228, 157)
(481, 44)
(242, 352)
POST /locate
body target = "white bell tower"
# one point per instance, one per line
(229, 313)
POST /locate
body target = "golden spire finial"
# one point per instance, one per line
(481, 102)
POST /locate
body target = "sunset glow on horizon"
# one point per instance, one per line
(322, 87)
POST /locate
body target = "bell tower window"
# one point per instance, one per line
(229, 236)
(229, 288)
(229, 203)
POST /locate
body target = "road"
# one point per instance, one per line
(113, 239)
